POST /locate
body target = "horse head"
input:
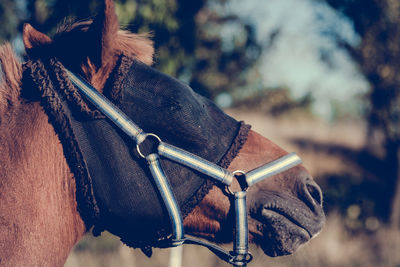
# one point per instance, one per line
(284, 210)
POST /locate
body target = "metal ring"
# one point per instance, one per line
(228, 187)
(241, 259)
(249, 257)
(144, 139)
(228, 190)
(239, 171)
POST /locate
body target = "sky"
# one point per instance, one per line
(306, 56)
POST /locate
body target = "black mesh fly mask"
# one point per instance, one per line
(117, 194)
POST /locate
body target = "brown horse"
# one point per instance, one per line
(39, 221)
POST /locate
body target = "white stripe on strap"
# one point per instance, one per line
(108, 108)
(241, 238)
(195, 162)
(168, 197)
(284, 163)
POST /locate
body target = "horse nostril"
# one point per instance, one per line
(310, 192)
(314, 191)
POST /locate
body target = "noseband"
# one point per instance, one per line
(240, 255)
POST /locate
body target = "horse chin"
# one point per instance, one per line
(281, 225)
(278, 235)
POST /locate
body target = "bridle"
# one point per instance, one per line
(240, 255)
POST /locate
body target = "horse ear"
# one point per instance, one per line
(104, 31)
(33, 38)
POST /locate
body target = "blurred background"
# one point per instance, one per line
(319, 77)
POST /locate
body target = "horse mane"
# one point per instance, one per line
(96, 67)
(137, 46)
(11, 75)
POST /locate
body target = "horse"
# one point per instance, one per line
(40, 215)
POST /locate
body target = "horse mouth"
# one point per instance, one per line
(278, 232)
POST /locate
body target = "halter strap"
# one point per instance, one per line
(240, 255)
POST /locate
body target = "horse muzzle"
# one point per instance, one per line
(281, 221)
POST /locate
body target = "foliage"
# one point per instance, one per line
(378, 23)
(274, 102)
(187, 35)
(9, 19)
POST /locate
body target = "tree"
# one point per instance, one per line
(186, 35)
(10, 16)
(378, 23)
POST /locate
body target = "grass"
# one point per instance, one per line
(335, 247)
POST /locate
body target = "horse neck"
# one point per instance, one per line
(39, 222)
